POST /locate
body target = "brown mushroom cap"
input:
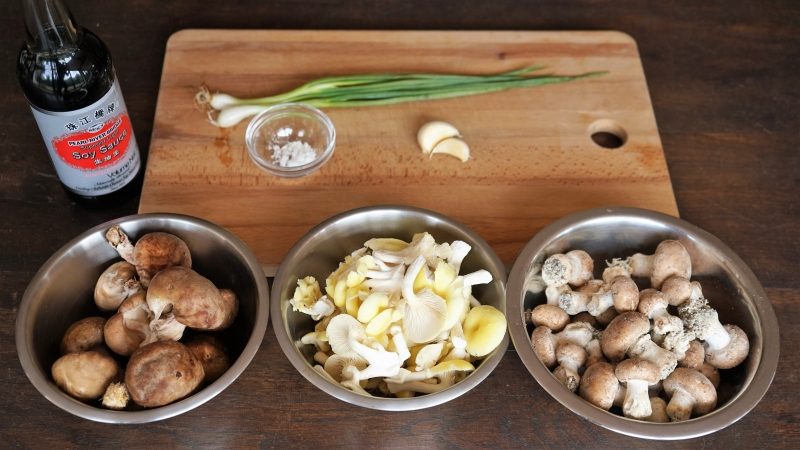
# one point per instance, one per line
(210, 351)
(591, 287)
(637, 369)
(157, 251)
(690, 392)
(625, 294)
(161, 373)
(584, 316)
(133, 301)
(732, 354)
(543, 345)
(550, 316)
(85, 375)
(599, 386)
(659, 408)
(83, 335)
(651, 301)
(119, 338)
(615, 270)
(676, 290)
(711, 373)
(582, 267)
(605, 318)
(671, 258)
(694, 356)
(622, 332)
(195, 301)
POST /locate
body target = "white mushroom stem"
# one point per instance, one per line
(703, 320)
(351, 380)
(645, 348)
(680, 405)
(573, 302)
(594, 352)
(458, 251)
(678, 342)
(664, 322)
(381, 362)
(637, 399)
(478, 277)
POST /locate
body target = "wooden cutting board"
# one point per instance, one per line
(533, 159)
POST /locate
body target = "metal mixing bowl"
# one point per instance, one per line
(730, 286)
(61, 293)
(318, 254)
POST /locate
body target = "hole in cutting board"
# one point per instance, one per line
(608, 134)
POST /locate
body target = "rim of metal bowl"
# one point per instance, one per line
(52, 393)
(742, 403)
(486, 367)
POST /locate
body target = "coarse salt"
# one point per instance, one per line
(293, 154)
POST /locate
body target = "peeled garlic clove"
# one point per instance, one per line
(454, 147)
(373, 304)
(380, 323)
(432, 133)
(484, 329)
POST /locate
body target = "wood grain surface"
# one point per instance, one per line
(722, 76)
(533, 159)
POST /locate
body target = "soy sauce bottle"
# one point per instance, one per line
(68, 78)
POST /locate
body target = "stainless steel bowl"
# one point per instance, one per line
(728, 283)
(61, 293)
(318, 254)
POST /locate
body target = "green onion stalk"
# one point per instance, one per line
(374, 90)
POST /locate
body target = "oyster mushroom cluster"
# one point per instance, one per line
(397, 318)
(655, 353)
(136, 350)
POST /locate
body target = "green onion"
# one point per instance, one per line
(373, 90)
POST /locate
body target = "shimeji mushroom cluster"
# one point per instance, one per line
(397, 319)
(644, 349)
(153, 296)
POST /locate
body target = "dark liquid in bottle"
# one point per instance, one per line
(68, 78)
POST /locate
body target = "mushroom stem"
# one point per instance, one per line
(645, 348)
(637, 401)
(680, 405)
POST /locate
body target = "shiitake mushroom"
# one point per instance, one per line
(210, 351)
(85, 375)
(161, 373)
(83, 335)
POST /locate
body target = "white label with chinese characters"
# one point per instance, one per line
(93, 149)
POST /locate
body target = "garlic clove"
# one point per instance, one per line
(484, 329)
(453, 147)
(432, 133)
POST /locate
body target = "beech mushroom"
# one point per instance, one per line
(161, 373)
(211, 353)
(711, 373)
(115, 284)
(676, 290)
(192, 299)
(694, 356)
(725, 347)
(85, 375)
(645, 348)
(571, 358)
(622, 333)
(550, 316)
(659, 411)
(653, 304)
(690, 394)
(152, 253)
(575, 267)
(545, 343)
(622, 294)
(637, 375)
(669, 259)
(83, 335)
(599, 385)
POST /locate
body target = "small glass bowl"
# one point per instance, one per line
(281, 125)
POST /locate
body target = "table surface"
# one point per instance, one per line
(724, 86)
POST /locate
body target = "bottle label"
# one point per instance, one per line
(93, 149)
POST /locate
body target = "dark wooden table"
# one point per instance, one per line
(723, 77)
